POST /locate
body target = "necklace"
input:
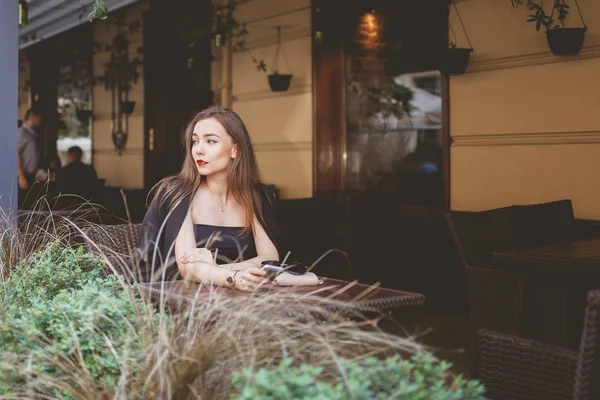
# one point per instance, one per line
(221, 206)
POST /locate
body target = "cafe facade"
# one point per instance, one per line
(366, 110)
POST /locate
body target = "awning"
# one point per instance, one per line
(51, 17)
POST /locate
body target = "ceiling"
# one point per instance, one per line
(51, 17)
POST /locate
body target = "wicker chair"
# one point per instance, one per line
(115, 242)
(495, 295)
(514, 368)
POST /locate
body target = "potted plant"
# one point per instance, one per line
(456, 59)
(277, 81)
(219, 24)
(126, 107)
(562, 40)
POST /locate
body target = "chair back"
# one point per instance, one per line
(494, 294)
(587, 373)
(115, 242)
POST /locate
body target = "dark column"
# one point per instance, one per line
(176, 81)
(9, 48)
(329, 19)
(44, 89)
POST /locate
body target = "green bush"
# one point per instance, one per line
(68, 331)
(47, 272)
(421, 377)
(59, 318)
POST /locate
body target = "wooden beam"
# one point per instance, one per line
(328, 101)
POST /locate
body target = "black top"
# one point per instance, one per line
(229, 242)
(159, 230)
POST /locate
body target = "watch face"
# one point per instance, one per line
(229, 280)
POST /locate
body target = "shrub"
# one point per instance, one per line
(61, 321)
(421, 377)
(68, 332)
(48, 272)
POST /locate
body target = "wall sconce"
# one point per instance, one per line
(120, 75)
(23, 13)
(121, 106)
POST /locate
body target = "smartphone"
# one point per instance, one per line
(272, 268)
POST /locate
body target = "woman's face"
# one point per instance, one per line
(212, 147)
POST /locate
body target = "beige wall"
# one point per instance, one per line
(280, 123)
(525, 123)
(126, 170)
(24, 86)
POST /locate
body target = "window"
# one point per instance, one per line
(394, 136)
(74, 98)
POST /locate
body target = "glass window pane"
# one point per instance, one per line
(394, 137)
(393, 122)
(74, 105)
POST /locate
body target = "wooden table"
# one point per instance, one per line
(559, 275)
(575, 256)
(359, 297)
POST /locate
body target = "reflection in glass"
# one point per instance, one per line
(74, 105)
(394, 135)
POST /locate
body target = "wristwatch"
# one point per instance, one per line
(230, 280)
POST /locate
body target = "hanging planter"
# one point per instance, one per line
(126, 107)
(565, 41)
(454, 60)
(277, 82)
(562, 41)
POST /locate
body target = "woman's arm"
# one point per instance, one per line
(190, 267)
(265, 250)
(196, 271)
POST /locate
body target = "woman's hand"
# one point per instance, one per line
(201, 254)
(250, 278)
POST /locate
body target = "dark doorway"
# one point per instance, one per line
(61, 81)
(177, 81)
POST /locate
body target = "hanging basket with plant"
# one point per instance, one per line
(456, 59)
(563, 41)
(277, 81)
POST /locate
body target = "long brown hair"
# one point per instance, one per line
(244, 178)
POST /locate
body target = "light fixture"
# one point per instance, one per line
(23, 12)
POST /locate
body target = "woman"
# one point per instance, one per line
(217, 203)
